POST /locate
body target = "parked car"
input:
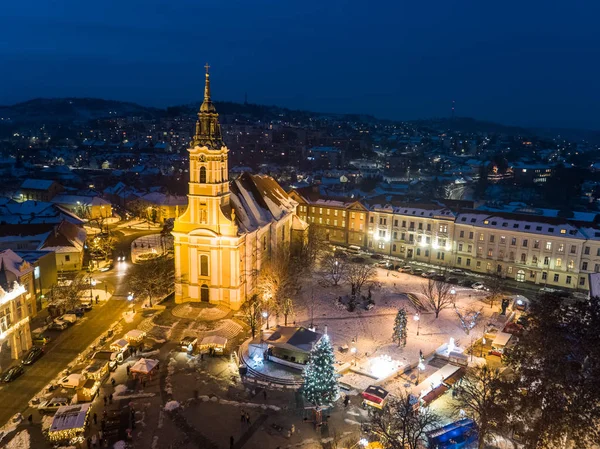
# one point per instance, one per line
(12, 373)
(86, 306)
(417, 271)
(478, 286)
(53, 404)
(465, 282)
(69, 318)
(34, 353)
(405, 269)
(58, 325)
(452, 280)
(40, 339)
(523, 321)
(70, 381)
(376, 256)
(78, 312)
(369, 305)
(429, 274)
(438, 277)
(457, 271)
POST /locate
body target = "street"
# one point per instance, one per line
(64, 347)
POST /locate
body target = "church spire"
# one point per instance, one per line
(208, 129)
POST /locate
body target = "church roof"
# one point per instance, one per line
(258, 200)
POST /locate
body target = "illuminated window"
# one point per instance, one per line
(548, 246)
(558, 262)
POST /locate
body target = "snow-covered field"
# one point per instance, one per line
(370, 332)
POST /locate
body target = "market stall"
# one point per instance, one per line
(375, 396)
(135, 338)
(215, 342)
(144, 368)
(69, 423)
(119, 345)
(88, 391)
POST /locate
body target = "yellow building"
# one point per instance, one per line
(344, 221)
(229, 227)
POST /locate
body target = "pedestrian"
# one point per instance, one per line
(97, 298)
(105, 401)
(99, 437)
(346, 401)
(247, 418)
(95, 419)
(30, 419)
(103, 424)
(265, 394)
(144, 383)
(112, 381)
(89, 442)
(128, 369)
(231, 440)
(94, 439)
(243, 416)
(110, 398)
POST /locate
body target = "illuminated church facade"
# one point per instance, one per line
(230, 226)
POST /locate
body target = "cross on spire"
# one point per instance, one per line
(207, 67)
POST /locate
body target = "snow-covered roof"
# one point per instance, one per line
(35, 212)
(144, 366)
(70, 417)
(259, 200)
(37, 184)
(522, 223)
(162, 199)
(14, 263)
(80, 199)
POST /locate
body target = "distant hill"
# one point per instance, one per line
(81, 110)
(61, 110)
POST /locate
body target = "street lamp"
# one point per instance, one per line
(353, 351)
(265, 315)
(417, 318)
(130, 296)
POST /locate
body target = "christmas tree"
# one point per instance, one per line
(400, 330)
(320, 379)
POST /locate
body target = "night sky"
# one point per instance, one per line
(527, 62)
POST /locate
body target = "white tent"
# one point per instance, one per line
(144, 366)
(119, 345)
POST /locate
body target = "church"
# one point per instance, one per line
(230, 227)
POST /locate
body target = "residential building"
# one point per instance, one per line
(39, 189)
(90, 207)
(17, 304)
(343, 220)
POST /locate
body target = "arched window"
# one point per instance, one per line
(203, 265)
(203, 174)
(204, 293)
(222, 173)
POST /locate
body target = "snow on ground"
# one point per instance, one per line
(372, 330)
(120, 389)
(20, 441)
(171, 405)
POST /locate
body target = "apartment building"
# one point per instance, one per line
(536, 246)
(542, 250)
(421, 232)
(343, 221)
(17, 304)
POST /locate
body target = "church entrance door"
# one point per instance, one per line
(204, 293)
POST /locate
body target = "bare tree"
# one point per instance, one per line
(313, 247)
(333, 268)
(278, 282)
(68, 294)
(251, 313)
(438, 295)
(401, 425)
(357, 275)
(480, 396)
(152, 279)
(468, 318)
(496, 284)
